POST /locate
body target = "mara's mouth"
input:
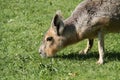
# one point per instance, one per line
(46, 55)
(43, 55)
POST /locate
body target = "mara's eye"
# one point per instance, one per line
(49, 38)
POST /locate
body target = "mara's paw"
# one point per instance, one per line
(83, 52)
(100, 61)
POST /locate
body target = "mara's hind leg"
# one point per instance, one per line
(89, 46)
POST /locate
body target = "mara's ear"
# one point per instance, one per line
(57, 23)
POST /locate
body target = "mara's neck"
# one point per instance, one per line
(70, 32)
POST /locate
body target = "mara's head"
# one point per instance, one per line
(53, 39)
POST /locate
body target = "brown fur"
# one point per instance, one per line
(90, 19)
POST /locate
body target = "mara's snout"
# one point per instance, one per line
(90, 19)
(46, 52)
(41, 52)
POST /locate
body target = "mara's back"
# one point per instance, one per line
(105, 12)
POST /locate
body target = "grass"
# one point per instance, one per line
(22, 25)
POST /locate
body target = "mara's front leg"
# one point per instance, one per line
(101, 47)
(89, 46)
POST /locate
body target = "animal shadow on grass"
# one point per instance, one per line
(109, 56)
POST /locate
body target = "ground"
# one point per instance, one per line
(22, 26)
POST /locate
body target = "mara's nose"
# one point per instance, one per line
(40, 51)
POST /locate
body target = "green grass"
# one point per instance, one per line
(22, 25)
